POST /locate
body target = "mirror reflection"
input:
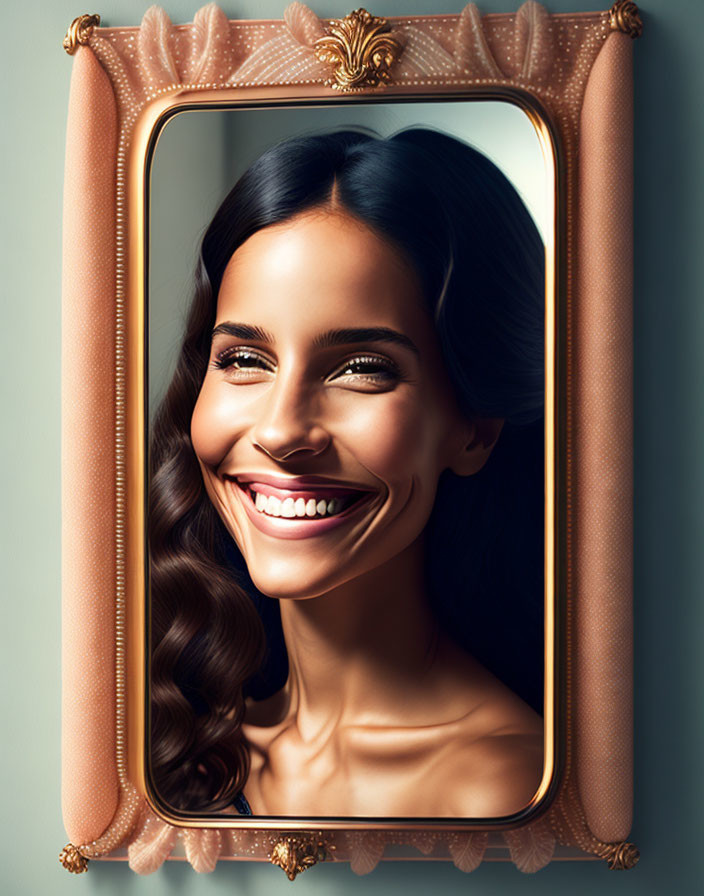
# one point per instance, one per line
(346, 388)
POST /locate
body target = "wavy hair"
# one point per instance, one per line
(480, 259)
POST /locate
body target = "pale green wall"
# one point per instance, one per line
(669, 475)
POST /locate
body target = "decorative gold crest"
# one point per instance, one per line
(624, 16)
(72, 860)
(79, 32)
(296, 852)
(620, 856)
(361, 48)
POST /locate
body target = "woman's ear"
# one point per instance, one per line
(479, 437)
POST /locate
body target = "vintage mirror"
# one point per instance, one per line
(347, 517)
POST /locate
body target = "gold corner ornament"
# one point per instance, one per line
(295, 853)
(620, 856)
(79, 32)
(624, 16)
(72, 860)
(361, 48)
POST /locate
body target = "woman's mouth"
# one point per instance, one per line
(297, 508)
(311, 504)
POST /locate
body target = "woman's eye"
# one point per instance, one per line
(368, 370)
(243, 363)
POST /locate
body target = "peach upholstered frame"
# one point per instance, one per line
(572, 74)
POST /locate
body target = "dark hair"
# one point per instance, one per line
(480, 259)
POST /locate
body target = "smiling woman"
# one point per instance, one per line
(347, 484)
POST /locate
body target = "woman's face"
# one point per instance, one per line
(325, 417)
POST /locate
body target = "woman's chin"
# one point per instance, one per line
(291, 584)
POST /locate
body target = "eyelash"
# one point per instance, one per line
(228, 358)
(383, 369)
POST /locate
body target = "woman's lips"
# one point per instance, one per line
(298, 507)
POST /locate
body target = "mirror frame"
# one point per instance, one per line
(584, 121)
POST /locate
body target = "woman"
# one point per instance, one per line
(367, 328)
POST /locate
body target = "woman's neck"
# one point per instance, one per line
(356, 653)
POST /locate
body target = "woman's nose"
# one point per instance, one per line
(288, 427)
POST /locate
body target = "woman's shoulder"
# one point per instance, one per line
(493, 763)
(497, 774)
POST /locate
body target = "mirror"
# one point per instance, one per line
(430, 608)
(163, 119)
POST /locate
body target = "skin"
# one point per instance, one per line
(381, 714)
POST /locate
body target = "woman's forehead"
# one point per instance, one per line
(322, 269)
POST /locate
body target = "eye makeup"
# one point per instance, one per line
(374, 370)
(242, 357)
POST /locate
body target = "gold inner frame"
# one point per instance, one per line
(148, 128)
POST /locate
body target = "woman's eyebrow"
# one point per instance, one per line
(364, 334)
(345, 336)
(241, 331)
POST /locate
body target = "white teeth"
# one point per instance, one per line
(288, 508)
(291, 508)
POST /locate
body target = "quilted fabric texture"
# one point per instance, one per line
(603, 437)
(89, 781)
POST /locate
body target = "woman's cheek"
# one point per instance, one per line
(390, 435)
(211, 425)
